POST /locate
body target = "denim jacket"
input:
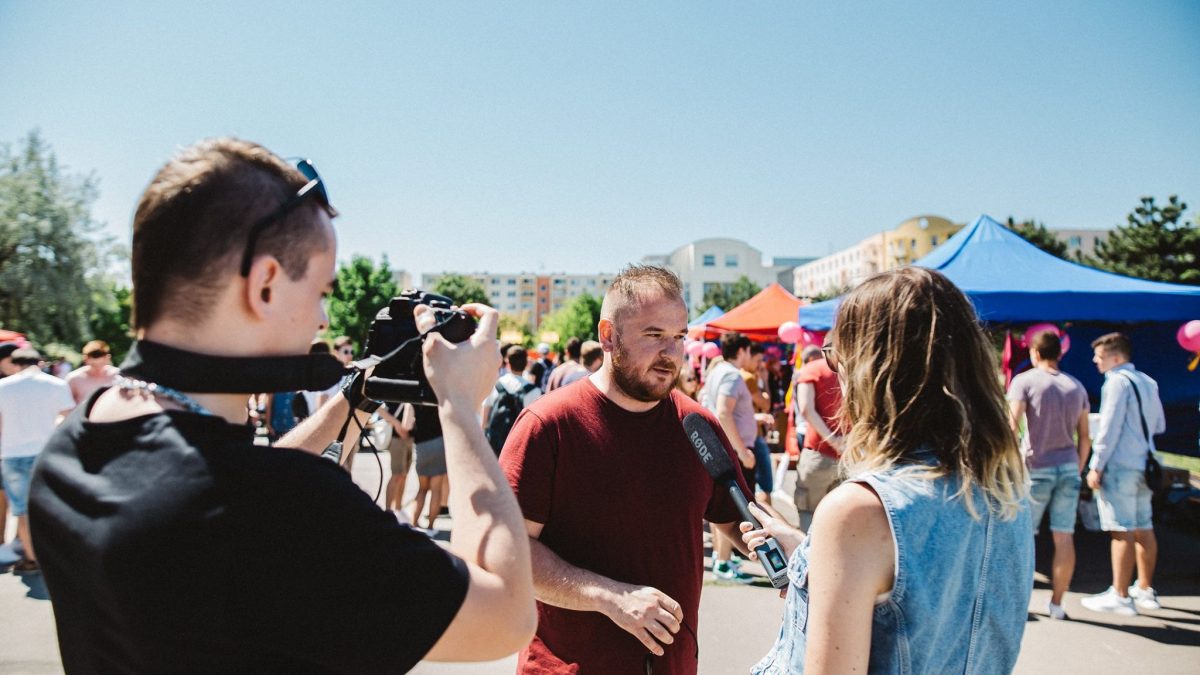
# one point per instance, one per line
(961, 593)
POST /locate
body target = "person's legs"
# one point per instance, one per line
(1063, 567)
(437, 487)
(17, 473)
(419, 502)
(1146, 555)
(816, 475)
(1122, 562)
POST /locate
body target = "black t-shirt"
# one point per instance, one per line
(427, 425)
(171, 543)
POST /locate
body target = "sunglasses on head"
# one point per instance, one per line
(315, 187)
(830, 357)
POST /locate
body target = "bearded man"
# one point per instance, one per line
(614, 495)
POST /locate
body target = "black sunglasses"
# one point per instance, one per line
(314, 186)
(96, 354)
(830, 357)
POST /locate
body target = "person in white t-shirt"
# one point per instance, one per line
(31, 403)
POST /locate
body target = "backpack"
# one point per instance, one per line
(504, 414)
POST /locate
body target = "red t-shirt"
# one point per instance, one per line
(828, 402)
(621, 494)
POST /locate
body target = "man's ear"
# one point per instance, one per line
(606, 329)
(264, 274)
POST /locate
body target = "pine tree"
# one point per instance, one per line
(1154, 244)
(1037, 234)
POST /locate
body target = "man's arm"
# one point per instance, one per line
(1083, 441)
(318, 430)
(806, 392)
(1112, 417)
(725, 406)
(734, 533)
(644, 612)
(498, 616)
(1016, 411)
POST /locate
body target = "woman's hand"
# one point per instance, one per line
(789, 538)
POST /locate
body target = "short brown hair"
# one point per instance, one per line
(732, 343)
(1114, 342)
(1047, 345)
(591, 352)
(194, 219)
(95, 346)
(517, 358)
(633, 283)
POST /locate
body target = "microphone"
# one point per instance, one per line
(715, 459)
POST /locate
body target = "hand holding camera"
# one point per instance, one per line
(462, 372)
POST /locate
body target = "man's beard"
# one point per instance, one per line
(634, 384)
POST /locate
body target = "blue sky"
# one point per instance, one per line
(573, 137)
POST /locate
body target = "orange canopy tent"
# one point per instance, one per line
(758, 318)
(10, 336)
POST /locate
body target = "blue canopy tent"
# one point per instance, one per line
(708, 315)
(1011, 281)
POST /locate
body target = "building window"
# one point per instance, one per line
(933, 240)
(512, 294)
(1075, 242)
(710, 261)
(731, 260)
(913, 245)
(512, 282)
(495, 294)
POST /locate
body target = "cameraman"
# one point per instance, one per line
(173, 544)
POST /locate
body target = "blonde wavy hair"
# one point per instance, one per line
(920, 376)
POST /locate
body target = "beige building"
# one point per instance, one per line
(532, 296)
(706, 263)
(908, 242)
(887, 250)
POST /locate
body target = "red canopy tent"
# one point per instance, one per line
(758, 318)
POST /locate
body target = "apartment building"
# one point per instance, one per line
(532, 296)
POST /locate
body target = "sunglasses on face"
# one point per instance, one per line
(314, 187)
(346, 350)
(830, 357)
(96, 355)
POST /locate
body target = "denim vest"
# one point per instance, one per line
(961, 593)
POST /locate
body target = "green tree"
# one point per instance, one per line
(728, 296)
(1154, 244)
(1037, 234)
(461, 289)
(517, 323)
(577, 318)
(831, 293)
(109, 318)
(49, 249)
(362, 289)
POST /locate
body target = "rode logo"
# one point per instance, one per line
(701, 447)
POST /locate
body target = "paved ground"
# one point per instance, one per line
(739, 623)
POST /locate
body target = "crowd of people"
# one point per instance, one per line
(578, 500)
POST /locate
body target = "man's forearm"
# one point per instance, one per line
(489, 529)
(734, 534)
(559, 583)
(817, 424)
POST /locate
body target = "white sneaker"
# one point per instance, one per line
(1110, 602)
(1056, 612)
(1146, 599)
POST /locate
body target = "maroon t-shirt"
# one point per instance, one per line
(621, 494)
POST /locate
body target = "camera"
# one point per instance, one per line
(400, 378)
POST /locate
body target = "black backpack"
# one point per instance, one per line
(504, 413)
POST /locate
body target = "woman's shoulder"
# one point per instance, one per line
(853, 509)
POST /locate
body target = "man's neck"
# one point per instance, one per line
(97, 370)
(1048, 366)
(604, 381)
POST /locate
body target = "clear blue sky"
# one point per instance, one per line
(578, 137)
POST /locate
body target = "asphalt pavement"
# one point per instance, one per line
(738, 623)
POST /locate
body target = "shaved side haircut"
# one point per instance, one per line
(634, 285)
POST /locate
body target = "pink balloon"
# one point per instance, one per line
(711, 350)
(1038, 328)
(694, 348)
(789, 332)
(1065, 341)
(1189, 336)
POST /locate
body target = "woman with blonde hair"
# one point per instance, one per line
(921, 562)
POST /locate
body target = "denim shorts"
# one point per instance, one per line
(17, 473)
(1123, 500)
(1056, 488)
(763, 475)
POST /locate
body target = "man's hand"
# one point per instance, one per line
(746, 456)
(646, 613)
(765, 419)
(1093, 479)
(462, 373)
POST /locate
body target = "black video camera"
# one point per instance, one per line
(400, 378)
